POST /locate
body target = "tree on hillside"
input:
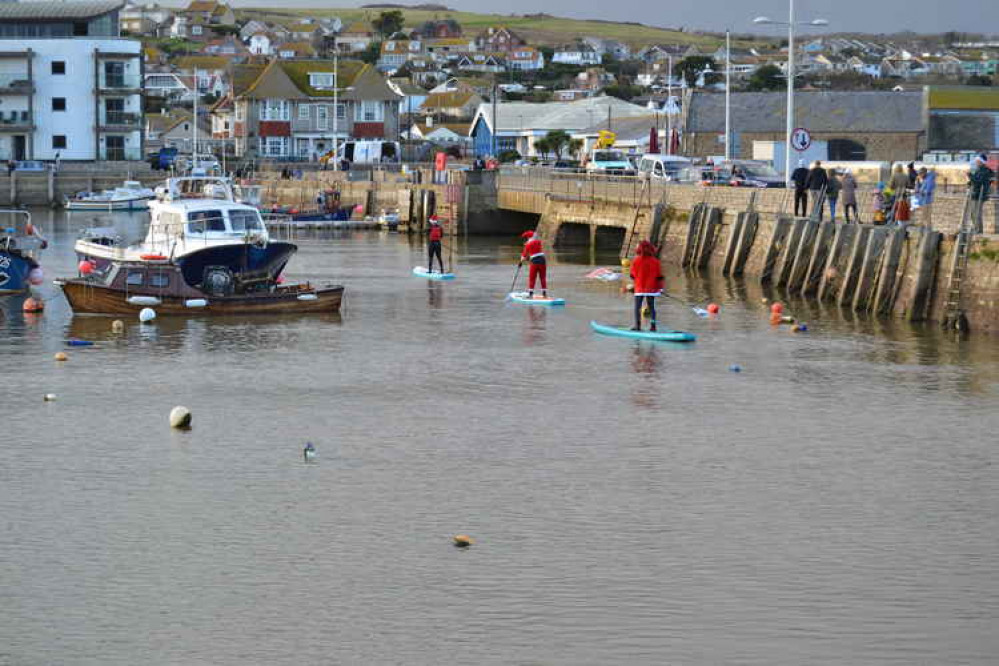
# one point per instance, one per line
(371, 54)
(690, 68)
(389, 22)
(768, 77)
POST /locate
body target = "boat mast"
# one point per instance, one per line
(194, 154)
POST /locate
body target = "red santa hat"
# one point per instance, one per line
(527, 234)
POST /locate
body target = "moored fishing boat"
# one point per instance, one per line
(20, 245)
(128, 287)
(130, 196)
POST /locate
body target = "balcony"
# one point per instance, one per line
(120, 121)
(16, 84)
(119, 84)
(15, 121)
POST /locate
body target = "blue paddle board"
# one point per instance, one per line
(420, 271)
(665, 336)
(522, 297)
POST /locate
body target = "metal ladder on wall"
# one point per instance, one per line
(954, 317)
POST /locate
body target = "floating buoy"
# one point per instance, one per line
(36, 276)
(180, 417)
(309, 452)
(626, 263)
(61, 356)
(359, 209)
(117, 326)
(800, 328)
(49, 397)
(32, 304)
(85, 267)
(735, 368)
(713, 308)
(463, 540)
(764, 300)
(293, 211)
(147, 315)
(74, 342)
(776, 308)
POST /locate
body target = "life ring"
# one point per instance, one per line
(152, 257)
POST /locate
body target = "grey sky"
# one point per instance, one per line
(844, 15)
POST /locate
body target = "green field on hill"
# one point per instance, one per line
(539, 30)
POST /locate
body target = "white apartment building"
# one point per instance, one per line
(69, 86)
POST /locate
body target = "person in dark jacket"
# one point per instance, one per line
(817, 181)
(800, 180)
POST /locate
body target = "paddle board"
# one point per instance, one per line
(665, 336)
(522, 297)
(423, 272)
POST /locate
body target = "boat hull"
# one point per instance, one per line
(88, 298)
(14, 270)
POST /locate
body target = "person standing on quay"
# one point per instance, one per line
(925, 190)
(817, 181)
(800, 180)
(833, 187)
(849, 196)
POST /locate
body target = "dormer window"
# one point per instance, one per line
(321, 80)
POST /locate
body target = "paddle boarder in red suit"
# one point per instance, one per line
(434, 245)
(535, 253)
(647, 273)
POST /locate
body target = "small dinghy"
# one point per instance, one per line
(523, 297)
(420, 271)
(664, 336)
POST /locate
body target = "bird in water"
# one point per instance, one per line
(309, 452)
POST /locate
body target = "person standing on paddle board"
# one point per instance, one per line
(434, 245)
(647, 273)
(535, 253)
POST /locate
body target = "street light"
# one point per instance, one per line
(790, 23)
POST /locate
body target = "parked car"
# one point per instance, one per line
(745, 173)
(611, 162)
(30, 165)
(163, 159)
(661, 167)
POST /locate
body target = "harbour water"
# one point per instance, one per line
(833, 503)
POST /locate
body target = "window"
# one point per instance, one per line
(341, 112)
(195, 29)
(275, 109)
(274, 146)
(321, 80)
(369, 112)
(303, 111)
(58, 67)
(323, 117)
(58, 103)
(59, 142)
(80, 29)
(161, 280)
(207, 220)
(244, 220)
(135, 278)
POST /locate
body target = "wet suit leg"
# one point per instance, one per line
(434, 249)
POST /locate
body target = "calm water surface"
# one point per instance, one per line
(834, 503)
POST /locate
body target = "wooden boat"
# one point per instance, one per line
(125, 288)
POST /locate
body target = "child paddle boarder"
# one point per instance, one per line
(646, 271)
(535, 253)
(434, 244)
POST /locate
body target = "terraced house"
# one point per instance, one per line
(295, 109)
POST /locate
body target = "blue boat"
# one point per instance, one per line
(20, 245)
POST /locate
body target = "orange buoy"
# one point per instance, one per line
(32, 304)
(776, 308)
(61, 356)
(713, 308)
(86, 267)
(463, 540)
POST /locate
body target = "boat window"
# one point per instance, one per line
(244, 220)
(134, 278)
(209, 220)
(159, 280)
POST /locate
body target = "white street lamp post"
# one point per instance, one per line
(728, 96)
(791, 23)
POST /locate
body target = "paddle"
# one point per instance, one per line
(700, 312)
(516, 275)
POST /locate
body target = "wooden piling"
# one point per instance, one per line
(802, 255)
(693, 231)
(869, 268)
(789, 252)
(775, 247)
(747, 237)
(733, 242)
(884, 294)
(835, 269)
(927, 258)
(817, 261)
(706, 243)
(855, 260)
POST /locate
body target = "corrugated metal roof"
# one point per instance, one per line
(847, 112)
(41, 11)
(568, 116)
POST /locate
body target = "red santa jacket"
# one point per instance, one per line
(532, 249)
(647, 274)
(436, 232)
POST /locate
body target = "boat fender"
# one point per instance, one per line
(152, 257)
(143, 300)
(195, 303)
(308, 297)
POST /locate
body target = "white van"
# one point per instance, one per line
(661, 167)
(371, 151)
